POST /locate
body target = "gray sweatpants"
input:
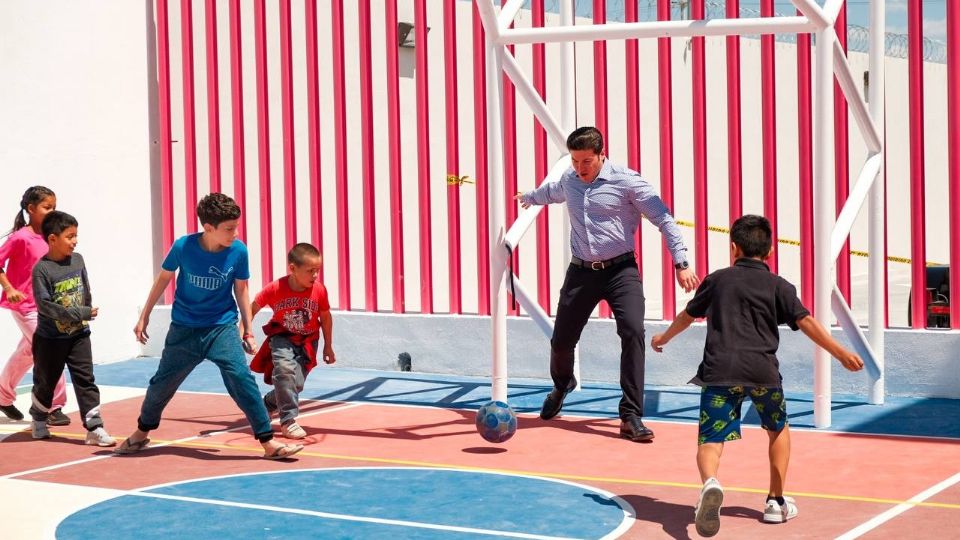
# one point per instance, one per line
(289, 372)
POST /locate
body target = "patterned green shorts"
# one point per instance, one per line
(720, 411)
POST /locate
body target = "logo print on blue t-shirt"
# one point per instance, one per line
(210, 283)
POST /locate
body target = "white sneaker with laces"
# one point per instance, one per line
(40, 430)
(100, 437)
(707, 514)
(293, 431)
(780, 513)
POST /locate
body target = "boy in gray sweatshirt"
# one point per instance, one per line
(62, 293)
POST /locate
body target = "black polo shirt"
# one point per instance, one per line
(744, 304)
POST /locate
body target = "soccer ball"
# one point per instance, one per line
(496, 421)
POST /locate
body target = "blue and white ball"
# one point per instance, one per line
(496, 421)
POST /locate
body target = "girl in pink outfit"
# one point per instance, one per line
(22, 249)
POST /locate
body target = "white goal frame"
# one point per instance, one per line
(830, 232)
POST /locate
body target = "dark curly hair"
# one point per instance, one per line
(216, 208)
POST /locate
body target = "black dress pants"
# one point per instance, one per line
(583, 289)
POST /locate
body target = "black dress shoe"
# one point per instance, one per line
(552, 404)
(632, 428)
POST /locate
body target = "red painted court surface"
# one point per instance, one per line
(855, 485)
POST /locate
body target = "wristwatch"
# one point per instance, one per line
(682, 265)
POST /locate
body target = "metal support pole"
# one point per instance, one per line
(497, 253)
(498, 262)
(568, 122)
(876, 270)
(824, 221)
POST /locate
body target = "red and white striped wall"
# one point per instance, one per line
(326, 129)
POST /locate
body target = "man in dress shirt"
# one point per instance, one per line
(605, 203)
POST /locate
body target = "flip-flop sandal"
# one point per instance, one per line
(127, 447)
(285, 451)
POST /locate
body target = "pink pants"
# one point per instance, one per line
(21, 361)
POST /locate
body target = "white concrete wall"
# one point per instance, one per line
(75, 115)
(457, 344)
(75, 106)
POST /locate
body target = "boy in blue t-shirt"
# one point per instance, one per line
(744, 305)
(211, 284)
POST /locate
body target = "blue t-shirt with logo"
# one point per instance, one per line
(204, 295)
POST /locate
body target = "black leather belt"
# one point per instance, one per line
(600, 265)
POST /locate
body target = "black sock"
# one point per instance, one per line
(779, 500)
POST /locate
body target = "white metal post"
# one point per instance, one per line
(568, 121)
(568, 73)
(875, 96)
(859, 193)
(812, 11)
(858, 108)
(823, 190)
(508, 13)
(498, 262)
(537, 106)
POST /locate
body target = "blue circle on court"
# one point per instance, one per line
(348, 503)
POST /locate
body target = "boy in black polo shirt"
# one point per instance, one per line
(743, 305)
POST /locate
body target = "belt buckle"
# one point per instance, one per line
(593, 265)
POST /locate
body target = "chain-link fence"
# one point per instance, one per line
(858, 37)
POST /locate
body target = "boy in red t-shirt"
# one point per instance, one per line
(301, 311)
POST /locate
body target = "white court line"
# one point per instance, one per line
(625, 507)
(161, 445)
(347, 517)
(899, 509)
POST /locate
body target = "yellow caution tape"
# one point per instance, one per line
(454, 180)
(791, 242)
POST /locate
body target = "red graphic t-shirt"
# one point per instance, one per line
(298, 312)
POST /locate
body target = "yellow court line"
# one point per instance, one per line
(791, 242)
(560, 476)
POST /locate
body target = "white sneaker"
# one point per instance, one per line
(40, 430)
(777, 513)
(293, 431)
(100, 437)
(707, 514)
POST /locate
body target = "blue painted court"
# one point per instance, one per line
(358, 503)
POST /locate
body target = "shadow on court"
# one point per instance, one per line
(932, 417)
(674, 519)
(195, 453)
